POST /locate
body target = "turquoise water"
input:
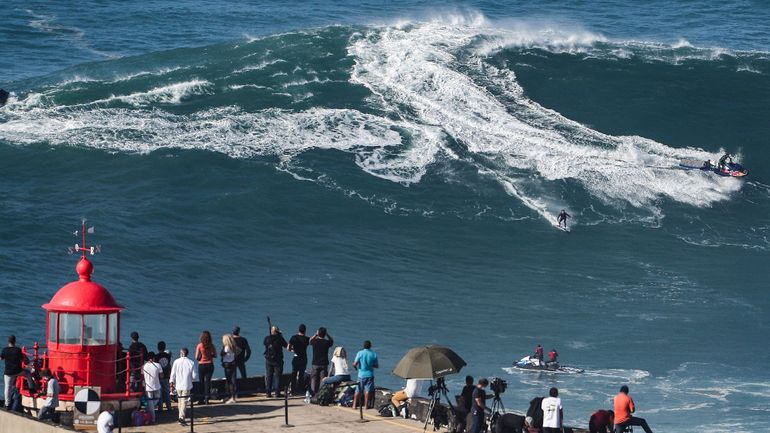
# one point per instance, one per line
(393, 173)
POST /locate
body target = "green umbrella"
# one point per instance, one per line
(429, 362)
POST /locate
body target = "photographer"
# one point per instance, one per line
(478, 409)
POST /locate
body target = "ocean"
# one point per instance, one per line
(392, 171)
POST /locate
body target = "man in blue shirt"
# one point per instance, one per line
(365, 363)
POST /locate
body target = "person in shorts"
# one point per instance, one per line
(365, 362)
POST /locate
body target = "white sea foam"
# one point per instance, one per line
(414, 66)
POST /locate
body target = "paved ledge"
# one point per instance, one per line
(262, 415)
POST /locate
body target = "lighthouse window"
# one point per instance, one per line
(52, 317)
(69, 328)
(95, 329)
(113, 328)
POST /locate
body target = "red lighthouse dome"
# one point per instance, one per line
(83, 295)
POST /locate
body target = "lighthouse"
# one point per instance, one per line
(83, 340)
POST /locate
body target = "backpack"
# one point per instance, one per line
(346, 398)
(324, 396)
(271, 355)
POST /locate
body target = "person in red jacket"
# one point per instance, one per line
(624, 407)
(601, 421)
(539, 353)
(553, 355)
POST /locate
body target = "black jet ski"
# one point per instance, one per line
(732, 169)
(534, 364)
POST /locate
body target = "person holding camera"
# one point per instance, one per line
(274, 345)
(479, 406)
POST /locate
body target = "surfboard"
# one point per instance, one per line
(562, 228)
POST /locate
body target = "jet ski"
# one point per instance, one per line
(732, 169)
(534, 364)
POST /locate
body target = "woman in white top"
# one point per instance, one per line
(339, 372)
(228, 354)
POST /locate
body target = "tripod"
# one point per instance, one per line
(436, 392)
(497, 410)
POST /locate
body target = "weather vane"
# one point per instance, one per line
(84, 248)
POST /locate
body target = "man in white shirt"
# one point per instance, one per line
(153, 373)
(52, 396)
(105, 421)
(181, 380)
(552, 412)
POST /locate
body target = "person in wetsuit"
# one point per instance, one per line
(724, 160)
(562, 218)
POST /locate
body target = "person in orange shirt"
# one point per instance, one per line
(624, 407)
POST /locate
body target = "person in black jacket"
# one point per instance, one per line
(274, 345)
(243, 357)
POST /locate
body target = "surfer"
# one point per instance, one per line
(562, 218)
(724, 160)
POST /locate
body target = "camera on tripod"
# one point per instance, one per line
(498, 386)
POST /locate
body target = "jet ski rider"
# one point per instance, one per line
(553, 356)
(724, 160)
(539, 353)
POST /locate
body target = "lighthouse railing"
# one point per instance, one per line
(74, 375)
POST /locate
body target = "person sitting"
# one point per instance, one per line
(52, 396)
(601, 421)
(624, 407)
(340, 371)
(724, 160)
(412, 389)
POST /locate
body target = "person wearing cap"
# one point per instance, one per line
(274, 345)
(245, 353)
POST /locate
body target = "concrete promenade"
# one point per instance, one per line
(258, 415)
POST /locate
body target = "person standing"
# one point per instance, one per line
(274, 344)
(479, 406)
(164, 359)
(181, 381)
(242, 357)
(229, 353)
(366, 361)
(552, 412)
(624, 407)
(138, 353)
(467, 403)
(539, 353)
(13, 357)
(52, 396)
(298, 346)
(562, 218)
(321, 342)
(153, 373)
(106, 420)
(205, 352)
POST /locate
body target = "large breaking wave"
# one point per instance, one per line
(402, 98)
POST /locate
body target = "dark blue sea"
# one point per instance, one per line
(392, 171)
